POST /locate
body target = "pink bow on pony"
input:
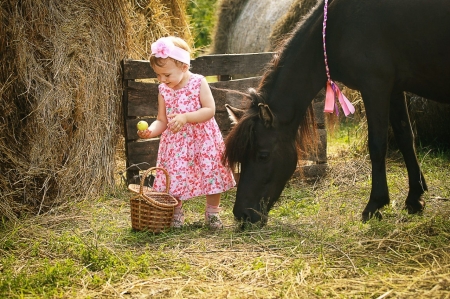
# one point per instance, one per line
(333, 93)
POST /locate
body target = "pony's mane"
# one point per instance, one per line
(240, 140)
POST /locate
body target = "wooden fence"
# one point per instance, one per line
(140, 102)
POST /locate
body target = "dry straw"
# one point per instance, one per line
(60, 93)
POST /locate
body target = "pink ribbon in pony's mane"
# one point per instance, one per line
(164, 48)
(333, 91)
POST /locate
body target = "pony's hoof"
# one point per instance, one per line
(366, 216)
(415, 207)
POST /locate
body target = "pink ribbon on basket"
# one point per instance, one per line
(333, 92)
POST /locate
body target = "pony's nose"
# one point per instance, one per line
(238, 214)
(246, 215)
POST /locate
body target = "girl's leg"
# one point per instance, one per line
(212, 211)
(178, 215)
(213, 199)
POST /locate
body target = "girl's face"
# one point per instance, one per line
(170, 74)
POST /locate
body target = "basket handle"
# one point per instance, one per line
(141, 188)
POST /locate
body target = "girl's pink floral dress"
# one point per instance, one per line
(192, 155)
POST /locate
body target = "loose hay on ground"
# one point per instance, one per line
(326, 252)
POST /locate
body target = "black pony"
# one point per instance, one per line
(381, 48)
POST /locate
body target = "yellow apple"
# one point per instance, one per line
(142, 125)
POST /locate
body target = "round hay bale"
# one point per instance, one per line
(297, 12)
(60, 93)
(227, 13)
(253, 27)
(246, 26)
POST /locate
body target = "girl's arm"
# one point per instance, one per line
(203, 114)
(159, 125)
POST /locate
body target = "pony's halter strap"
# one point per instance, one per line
(164, 48)
(333, 91)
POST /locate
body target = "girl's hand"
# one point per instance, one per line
(177, 121)
(144, 134)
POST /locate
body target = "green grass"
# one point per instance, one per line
(314, 245)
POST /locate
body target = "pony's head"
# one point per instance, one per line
(266, 151)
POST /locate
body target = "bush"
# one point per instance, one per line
(202, 18)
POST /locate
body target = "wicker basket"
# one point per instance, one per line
(151, 211)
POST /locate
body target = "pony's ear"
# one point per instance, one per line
(234, 114)
(253, 96)
(266, 115)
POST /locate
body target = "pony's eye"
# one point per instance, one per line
(262, 156)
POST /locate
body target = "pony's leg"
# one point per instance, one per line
(377, 113)
(401, 126)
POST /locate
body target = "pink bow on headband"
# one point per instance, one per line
(164, 48)
(161, 48)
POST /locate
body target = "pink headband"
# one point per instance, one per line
(164, 48)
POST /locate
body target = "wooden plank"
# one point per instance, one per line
(131, 130)
(130, 174)
(220, 98)
(224, 122)
(238, 84)
(322, 149)
(137, 69)
(143, 153)
(142, 99)
(231, 64)
(235, 99)
(318, 105)
(208, 65)
(321, 155)
(319, 115)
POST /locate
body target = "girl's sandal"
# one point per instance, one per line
(178, 218)
(212, 217)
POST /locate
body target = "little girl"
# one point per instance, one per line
(191, 143)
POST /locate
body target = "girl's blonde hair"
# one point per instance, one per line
(178, 42)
